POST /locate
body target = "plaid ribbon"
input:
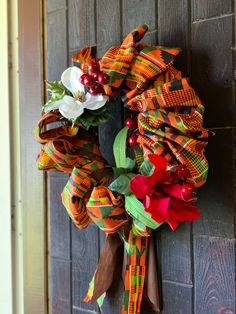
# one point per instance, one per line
(135, 274)
(74, 151)
(106, 210)
(108, 213)
(171, 113)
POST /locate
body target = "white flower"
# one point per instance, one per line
(73, 107)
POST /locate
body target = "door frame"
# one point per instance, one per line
(23, 232)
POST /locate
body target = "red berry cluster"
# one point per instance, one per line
(95, 79)
(132, 123)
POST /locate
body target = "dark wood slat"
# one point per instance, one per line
(173, 27)
(54, 5)
(81, 20)
(177, 299)
(216, 199)
(59, 220)
(108, 25)
(214, 260)
(84, 261)
(176, 254)
(202, 9)
(80, 284)
(60, 286)
(56, 44)
(138, 12)
(212, 69)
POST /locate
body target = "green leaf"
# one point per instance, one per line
(119, 148)
(137, 211)
(56, 88)
(57, 91)
(146, 168)
(121, 184)
(88, 120)
(130, 163)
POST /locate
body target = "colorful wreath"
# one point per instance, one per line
(159, 156)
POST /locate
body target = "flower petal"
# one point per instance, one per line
(70, 109)
(70, 79)
(181, 211)
(160, 165)
(140, 186)
(53, 105)
(95, 102)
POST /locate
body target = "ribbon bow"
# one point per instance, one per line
(163, 200)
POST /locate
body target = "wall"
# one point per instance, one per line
(198, 260)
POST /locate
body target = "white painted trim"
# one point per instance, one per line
(6, 304)
(23, 276)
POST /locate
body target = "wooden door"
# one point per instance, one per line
(198, 260)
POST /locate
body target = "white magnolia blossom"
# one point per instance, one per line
(73, 107)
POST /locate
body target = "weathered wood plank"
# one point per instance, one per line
(214, 260)
(56, 44)
(212, 69)
(176, 254)
(54, 5)
(173, 26)
(177, 298)
(60, 286)
(80, 284)
(85, 250)
(138, 12)
(108, 25)
(81, 23)
(202, 9)
(59, 220)
(216, 199)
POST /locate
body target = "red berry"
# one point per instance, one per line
(88, 80)
(130, 123)
(95, 76)
(96, 89)
(93, 67)
(181, 171)
(103, 78)
(83, 76)
(132, 140)
(187, 190)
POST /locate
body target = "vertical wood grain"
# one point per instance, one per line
(56, 43)
(60, 277)
(59, 222)
(202, 9)
(214, 275)
(177, 298)
(81, 23)
(216, 198)
(176, 254)
(108, 26)
(138, 12)
(59, 219)
(85, 252)
(173, 29)
(212, 69)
